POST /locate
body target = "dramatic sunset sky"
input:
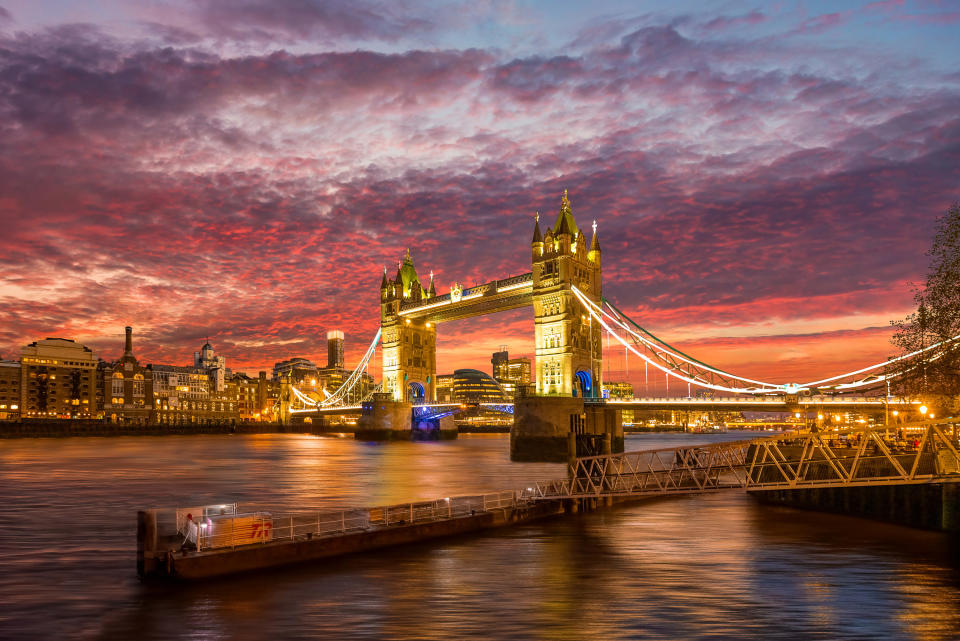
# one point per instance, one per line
(765, 176)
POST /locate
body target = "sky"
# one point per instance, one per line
(765, 177)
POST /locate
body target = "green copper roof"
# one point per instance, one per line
(408, 273)
(565, 223)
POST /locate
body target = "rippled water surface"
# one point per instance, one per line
(709, 567)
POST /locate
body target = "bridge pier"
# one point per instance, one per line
(543, 427)
(384, 419)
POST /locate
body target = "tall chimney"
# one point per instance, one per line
(128, 347)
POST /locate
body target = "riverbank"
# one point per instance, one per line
(70, 428)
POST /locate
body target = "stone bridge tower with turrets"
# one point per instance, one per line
(568, 343)
(409, 345)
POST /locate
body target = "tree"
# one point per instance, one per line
(934, 374)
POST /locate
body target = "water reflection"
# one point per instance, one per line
(716, 567)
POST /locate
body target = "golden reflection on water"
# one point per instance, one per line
(718, 566)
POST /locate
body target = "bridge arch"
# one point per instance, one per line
(418, 392)
(585, 384)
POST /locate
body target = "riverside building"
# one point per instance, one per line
(126, 387)
(58, 378)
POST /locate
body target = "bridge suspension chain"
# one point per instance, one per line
(684, 367)
(353, 383)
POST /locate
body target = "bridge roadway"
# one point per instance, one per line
(777, 403)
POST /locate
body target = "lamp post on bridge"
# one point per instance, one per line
(886, 412)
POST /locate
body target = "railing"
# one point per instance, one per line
(435, 300)
(773, 399)
(517, 281)
(229, 530)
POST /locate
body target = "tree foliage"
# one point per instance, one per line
(935, 373)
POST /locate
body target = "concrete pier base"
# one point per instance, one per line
(931, 506)
(542, 425)
(438, 429)
(384, 419)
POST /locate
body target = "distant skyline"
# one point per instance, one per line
(765, 178)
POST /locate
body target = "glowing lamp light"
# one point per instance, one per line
(923, 410)
(896, 413)
(819, 417)
(796, 415)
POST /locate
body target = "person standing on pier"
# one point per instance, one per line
(190, 536)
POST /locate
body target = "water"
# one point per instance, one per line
(710, 567)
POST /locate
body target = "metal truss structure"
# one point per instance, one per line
(809, 459)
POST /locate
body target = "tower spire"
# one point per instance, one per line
(594, 253)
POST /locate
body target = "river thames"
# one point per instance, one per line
(711, 567)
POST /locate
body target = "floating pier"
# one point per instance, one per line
(231, 540)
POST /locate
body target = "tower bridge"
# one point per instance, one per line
(564, 288)
(568, 353)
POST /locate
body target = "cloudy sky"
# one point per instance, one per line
(765, 176)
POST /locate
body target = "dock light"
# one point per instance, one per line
(931, 416)
(923, 410)
(819, 417)
(896, 413)
(796, 415)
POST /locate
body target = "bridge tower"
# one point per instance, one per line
(568, 343)
(409, 345)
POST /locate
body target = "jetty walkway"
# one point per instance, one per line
(785, 466)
